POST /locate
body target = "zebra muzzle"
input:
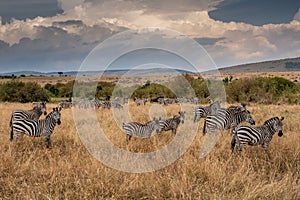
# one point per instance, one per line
(280, 133)
(45, 113)
(58, 122)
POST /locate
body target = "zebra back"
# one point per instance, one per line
(226, 118)
(33, 114)
(141, 130)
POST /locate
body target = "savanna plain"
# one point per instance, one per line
(28, 170)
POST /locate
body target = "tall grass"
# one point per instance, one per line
(28, 170)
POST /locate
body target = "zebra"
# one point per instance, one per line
(65, 104)
(258, 135)
(139, 102)
(204, 111)
(105, 104)
(227, 118)
(141, 130)
(32, 128)
(172, 123)
(33, 114)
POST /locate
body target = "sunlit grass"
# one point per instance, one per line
(28, 170)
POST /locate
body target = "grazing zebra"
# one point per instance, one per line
(37, 128)
(227, 118)
(172, 123)
(141, 130)
(258, 135)
(139, 102)
(204, 111)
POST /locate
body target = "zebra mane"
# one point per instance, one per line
(37, 107)
(51, 113)
(273, 119)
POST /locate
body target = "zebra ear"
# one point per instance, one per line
(59, 109)
(53, 109)
(282, 118)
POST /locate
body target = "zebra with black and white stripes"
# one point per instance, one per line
(227, 118)
(141, 130)
(33, 114)
(139, 102)
(37, 128)
(172, 123)
(258, 135)
(204, 111)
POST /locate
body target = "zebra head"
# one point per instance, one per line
(248, 117)
(56, 115)
(40, 108)
(278, 126)
(157, 125)
(275, 125)
(181, 116)
(43, 107)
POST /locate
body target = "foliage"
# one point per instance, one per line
(15, 91)
(262, 90)
(60, 89)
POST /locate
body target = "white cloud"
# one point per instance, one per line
(87, 22)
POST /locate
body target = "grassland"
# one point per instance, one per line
(67, 171)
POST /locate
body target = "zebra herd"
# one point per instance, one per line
(215, 117)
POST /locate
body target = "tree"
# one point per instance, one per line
(60, 73)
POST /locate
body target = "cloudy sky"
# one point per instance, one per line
(57, 35)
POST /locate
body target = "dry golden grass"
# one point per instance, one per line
(67, 171)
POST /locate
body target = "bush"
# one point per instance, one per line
(263, 90)
(15, 91)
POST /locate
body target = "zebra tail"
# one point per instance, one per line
(233, 142)
(11, 128)
(235, 139)
(204, 127)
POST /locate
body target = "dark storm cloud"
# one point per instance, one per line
(208, 41)
(256, 12)
(53, 48)
(23, 9)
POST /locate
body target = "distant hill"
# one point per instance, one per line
(136, 72)
(283, 65)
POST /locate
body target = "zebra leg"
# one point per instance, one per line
(47, 141)
(195, 118)
(128, 137)
(174, 131)
(11, 133)
(266, 149)
(19, 135)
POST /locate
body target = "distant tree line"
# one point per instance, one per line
(257, 90)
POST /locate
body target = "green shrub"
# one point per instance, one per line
(263, 90)
(16, 91)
